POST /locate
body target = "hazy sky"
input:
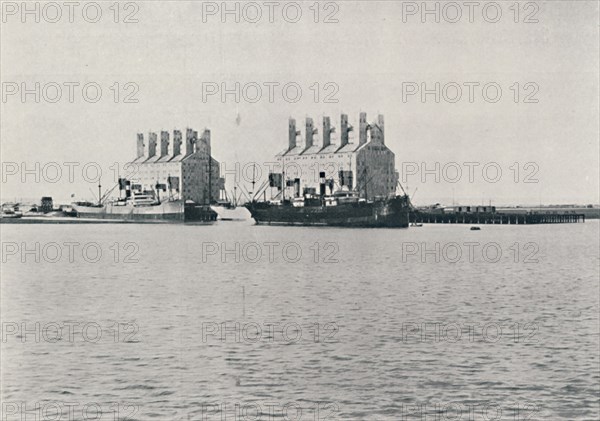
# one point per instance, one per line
(373, 54)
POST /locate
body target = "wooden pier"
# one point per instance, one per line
(495, 218)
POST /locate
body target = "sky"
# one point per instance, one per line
(536, 142)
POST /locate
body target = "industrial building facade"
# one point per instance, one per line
(367, 166)
(176, 170)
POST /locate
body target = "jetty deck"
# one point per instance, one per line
(496, 218)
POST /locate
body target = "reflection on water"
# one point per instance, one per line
(335, 323)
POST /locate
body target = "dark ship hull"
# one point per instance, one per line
(390, 213)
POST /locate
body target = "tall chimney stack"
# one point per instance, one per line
(381, 125)
(206, 137)
(346, 128)
(205, 141)
(310, 131)
(292, 133)
(362, 129)
(190, 140)
(326, 132)
(164, 143)
(140, 145)
(177, 139)
(152, 141)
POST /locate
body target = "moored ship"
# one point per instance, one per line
(170, 180)
(343, 183)
(330, 211)
(129, 210)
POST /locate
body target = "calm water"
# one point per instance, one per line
(373, 330)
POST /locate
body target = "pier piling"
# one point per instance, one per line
(495, 218)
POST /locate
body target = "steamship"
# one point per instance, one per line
(334, 182)
(171, 181)
(342, 209)
(145, 208)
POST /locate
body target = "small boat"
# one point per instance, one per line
(414, 224)
(8, 213)
(475, 229)
(229, 212)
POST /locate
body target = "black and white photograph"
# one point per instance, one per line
(300, 210)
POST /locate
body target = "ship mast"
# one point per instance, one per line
(119, 178)
(283, 183)
(350, 172)
(157, 189)
(253, 177)
(209, 175)
(366, 183)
